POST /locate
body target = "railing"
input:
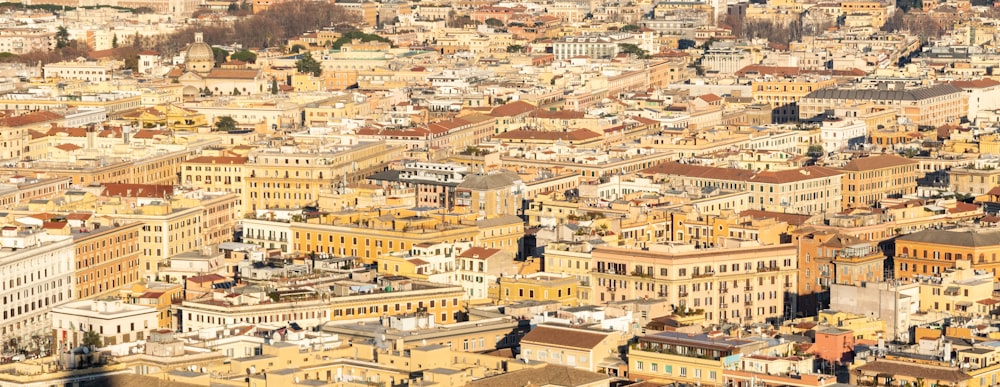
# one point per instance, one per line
(749, 288)
(748, 303)
(682, 294)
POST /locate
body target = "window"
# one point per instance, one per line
(684, 372)
(638, 365)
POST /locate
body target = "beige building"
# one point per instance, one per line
(744, 284)
(581, 348)
(868, 180)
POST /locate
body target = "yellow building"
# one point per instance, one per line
(107, 257)
(863, 327)
(682, 358)
(537, 287)
(783, 94)
(159, 295)
(932, 252)
(961, 291)
(868, 180)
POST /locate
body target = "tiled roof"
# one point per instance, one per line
(479, 253)
(512, 109)
(30, 118)
(564, 337)
(206, 278)
(137, 190)
(876, 162)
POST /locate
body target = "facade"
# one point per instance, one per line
(595, 47)
(927, 106)
(684, 358)
(826, 258)
(106, 259)
(868, 180)
(932, 252)
(37, 272)
(114, 321)
(580, 348)
(746, 285)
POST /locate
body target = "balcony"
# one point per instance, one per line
(788, 285)
(682, 294)
(767, 269)
(723, 290)
(661, 294)
(703, 275)
(748, 288)
(748, 303)
(723, 306)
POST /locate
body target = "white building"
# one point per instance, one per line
(115, 321)
(36, 275)
(840, 134)
(984, 94)
(83, 71)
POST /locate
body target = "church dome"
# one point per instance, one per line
(199, 57)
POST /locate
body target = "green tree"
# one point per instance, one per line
(225, 124)
(815, 150)
(494, 22)
(515, 48)
(92, 339)
(220, 55)
(132, 63)
(114, 41)
(308, 64)
(245, 56)
(631, 49)
(297, 48)
(629, 28)
(62, 37)
(274, 86)
(236, 91)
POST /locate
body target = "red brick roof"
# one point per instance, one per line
(975, 84)
(479, 253)
(137, 190)
(206, 278)
(515, 108)
(876, 162)
(525, 134)
(30, 118)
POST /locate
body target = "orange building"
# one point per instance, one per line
(828, 257)
(931, 251)
(107, 257)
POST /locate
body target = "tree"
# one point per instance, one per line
(297, 48)
(815, 150)
(308, 64)
(91, 339)
(236, 91)
(220, 55)
(62, 37)
(114, 41)
(515, 48)
(629, 28)
(274, 86)
(244, 55)
(631, 49)
(225, 124)
(494, 22)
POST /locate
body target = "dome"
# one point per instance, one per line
(199, 57)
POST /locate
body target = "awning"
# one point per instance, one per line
(964, 303)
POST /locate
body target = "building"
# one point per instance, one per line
(581, 348)
(685, 358)
(107, 257)
(115, 321)
(926, 106)
(37, 271)
(826, 258)
(538, 287)
(417, 330)
(745, 284)
(490, 195)
(868, 180)
(933, 251)
(595, 47)
(961, 291)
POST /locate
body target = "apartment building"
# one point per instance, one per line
(926, 106)
(684, 358)
(578, 347)
(972, 179)
(366, 300)
(114, 321)
(415, 330)
(217, 174)
(37, 271)
(291, 178)
(933, 251)
(805, 190)
(596, 47)
(743, 284)
(961, 291)
(783, 94)
(541, 287)
(828, 257)
(868, 180)
(107, 258)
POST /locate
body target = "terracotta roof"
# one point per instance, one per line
(549, 375)
(54, 225)
(512, 109)
(792, 219)
(995, 191)
(137, 190)
(877, 162)
(149, 52)
(217, 160)
(479, 253)
(790, 175)
(975, 84)
(30, 118)
(526, 134)
(922, 371)
(206, 278)
(963, 207)
(78, 216)
(564, 337)
(68, 147)
(148, 134)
